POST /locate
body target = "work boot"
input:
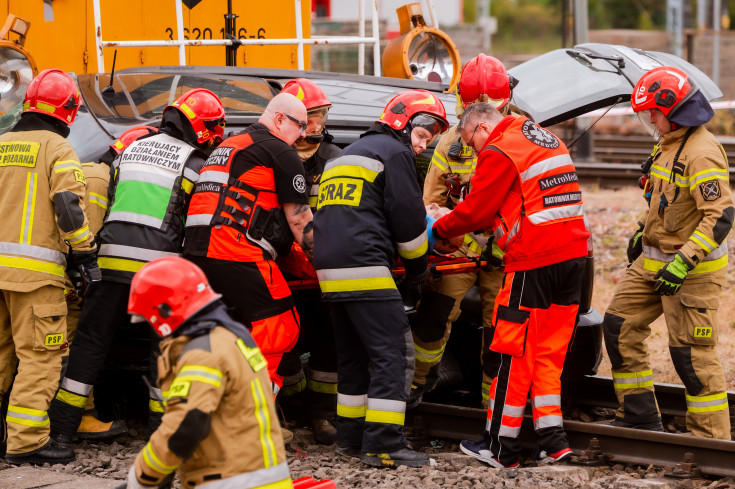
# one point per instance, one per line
(416, 396)
(324, 431)
(652, 426)
(92, 428)
(404, 456)
(53, 452)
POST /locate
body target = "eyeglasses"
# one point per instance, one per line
(469, 143)
(302, 125)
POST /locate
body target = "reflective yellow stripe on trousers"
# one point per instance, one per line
(385, 411)
(633, 380)
(27, 416)
(707, 404)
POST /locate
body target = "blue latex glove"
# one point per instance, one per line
(430, 232)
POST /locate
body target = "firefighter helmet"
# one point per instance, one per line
(402, 108)
(485, 75)
(308, 92)
(168, 291)
(131, 135)
(205, 113)
(53, 92)
(663, 88)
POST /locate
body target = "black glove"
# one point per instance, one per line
(410, 290)
(493, 255)
(635, 245)
(87, 263)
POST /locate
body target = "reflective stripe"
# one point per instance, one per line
(76, 387)
(415, 248)
(321, 387)
(486, 392)
(706, 175)
(355, 160)
(704, 241)
(155, 393)
(505, 430)
(665, 174)
(199, 219)
(707, 404)
(473, 245)
(658, 255)
(351, 406)
(314, 190)
(190, 174)
(200, 373)
(353, 279)
(156, 406)
(385, 411)
(33, 265)
(27, 416)
(71, 399)
(79, 235)
(134, 253)
(119, 264)
(291, 388)
(154, 462)
(705, 266)
(32, 251)
(547, 400)
(262, 414)
(428, 356)
(561, 212)
(66, 165)
(439, 161)
(513, 411)
(546, 165)
(135, 218)
(549, 421)
(322, 376)
(269, 478)
(633, 380)
(26, 225)
(142, 175)
(220, 177)
(353, 171)
(98, 199)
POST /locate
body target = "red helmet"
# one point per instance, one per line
(402, 108)
(663, 88)
(168, 291)
(205, 113)
(484, 75)
(308, 92)
(131, 135)
(53, 92)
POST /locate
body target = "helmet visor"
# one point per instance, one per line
(645, 117)
(432, 124)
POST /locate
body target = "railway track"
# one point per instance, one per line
(598, 442)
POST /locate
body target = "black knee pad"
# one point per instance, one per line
(611, 329)
(682, 358)
(432, 315)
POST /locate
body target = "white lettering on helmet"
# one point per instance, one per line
(641, 91)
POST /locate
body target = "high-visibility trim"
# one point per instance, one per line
(99, 200)
(505, 430)
(548, 421)
(76, 387)
(665, 174)
(187, 185)
(321, 376)
(704, 241)
(253, 355)
(32, 251)
(633, 380)
(707, 404)
(546, 165)
(349, 406)
(43, 106)
(26, 225)
(561, 212)
(119, 264)
(71, 399)
(156, 406)
(355, 279)
(353, 171)
(200, 373)
(134, 253)
(211, 176)
(293, 388)
(262, 414)
(135, 218)
(355, 160)
(154, 462)
(547, 400)
(27, 416)
(66, 165)
(79, 235)
(386, 411)
(658, 255)
(146, 176)
(486, 392)
(415, 248)
(321, 387)
(428, 356)
(706, 266)
(190, 174)
(276, 477)
(514, 411)
(439, 161)
(199, 219)
(472, 244)
(707, 175)
(32, 265)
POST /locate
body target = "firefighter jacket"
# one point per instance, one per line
(150, 187)
(456, 161)
(42, 204)
(369, 212)
(526, 189)
(314, 167)
(691, 209)
(235, 212)
(96, 201)
(219, 428)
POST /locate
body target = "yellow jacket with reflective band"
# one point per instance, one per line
(698, 209)
(34, 167)
(436, 192)
(213, 375)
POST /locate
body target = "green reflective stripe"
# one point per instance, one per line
(415, 248)
(706, 404)
(154, 462)
(135, 198)
(71, 399)
(26, 416)
(633, 380)
(428, 356)
(321, 387)
(386, 411)
(486, 391)
(293, 389)
(200, 373)
(706, 266)
(262, 414)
